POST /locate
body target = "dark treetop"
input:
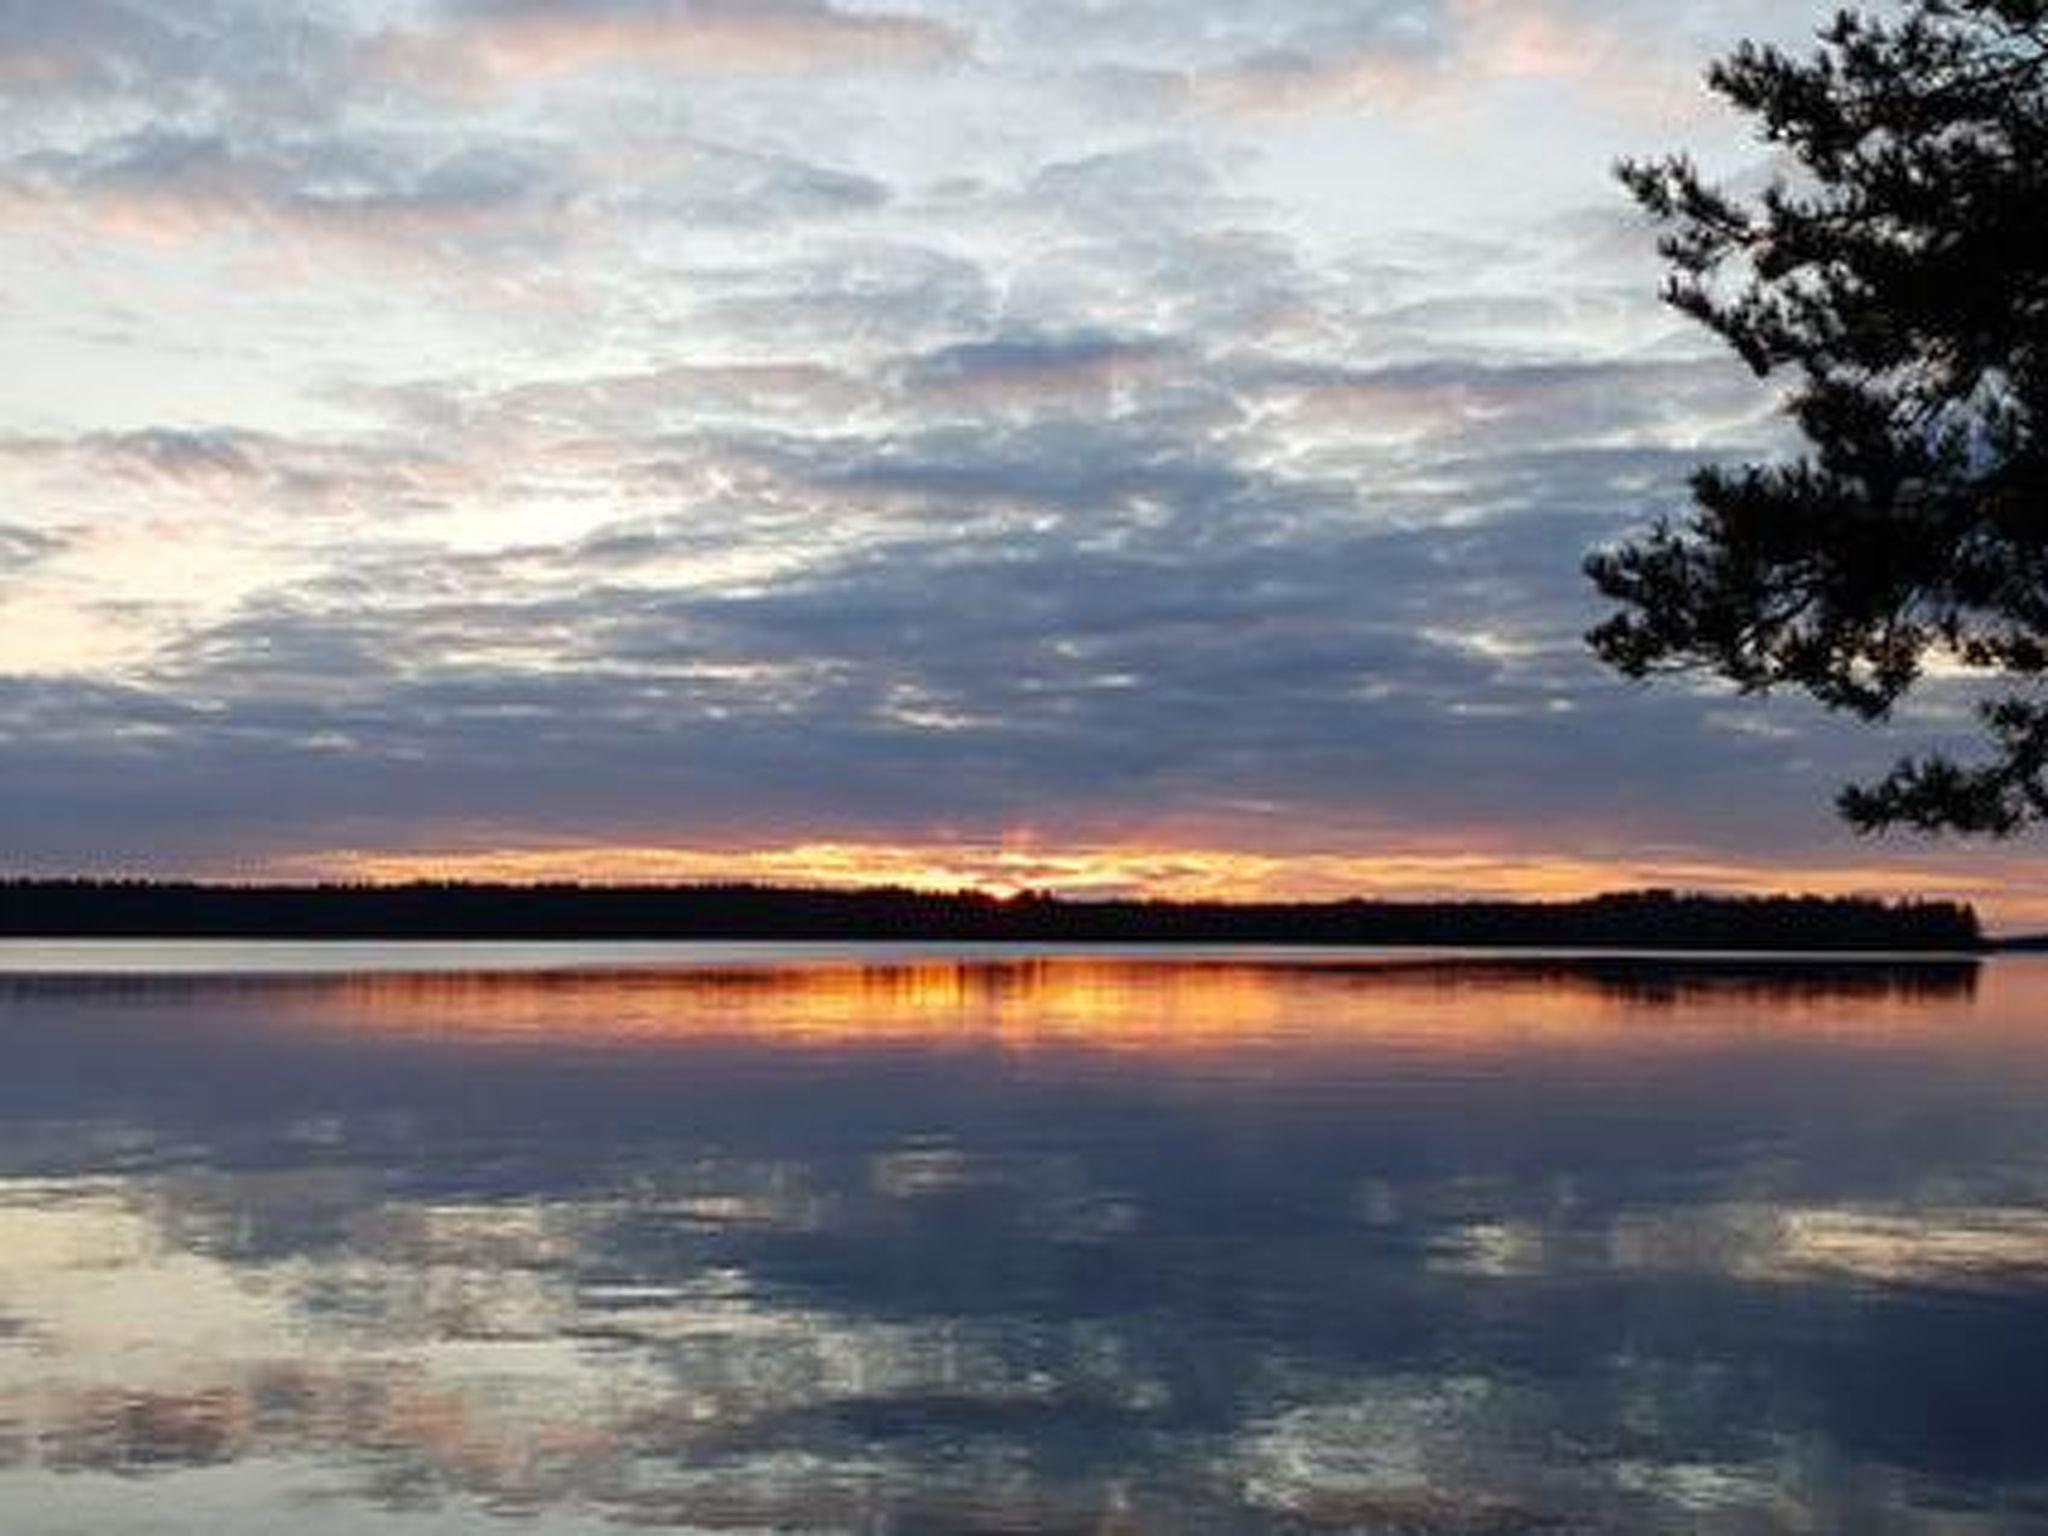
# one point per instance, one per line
(1898, 278)
(1649, 919)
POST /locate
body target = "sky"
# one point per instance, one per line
(1097, 445)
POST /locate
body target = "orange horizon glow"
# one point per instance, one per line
(2007, 895)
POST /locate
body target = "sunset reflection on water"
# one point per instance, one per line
(1028, 1244)
(1160, 1006)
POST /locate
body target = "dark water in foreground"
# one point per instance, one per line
(849, 1244)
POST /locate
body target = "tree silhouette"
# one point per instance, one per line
(1898, 275)
(441, 910)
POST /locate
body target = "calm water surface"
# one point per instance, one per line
(460, 1240)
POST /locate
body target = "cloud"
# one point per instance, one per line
(917, 559)
(1415, 57)
(1184, 35)
(165, 187)
(634, 403)
(174, 454)
(1029, 372)
(232, 57)
(855, 300)
(698, 183)
(1494, 409)
(223, 473)
(1083, 676)
(494, 43)
(91, 43)
(1143, 182)
(21, 548)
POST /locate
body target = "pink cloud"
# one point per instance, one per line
(712, 37)
(1294, 84)
(170, 193)
(30, 68)
(1487, 40)
(1512, 39)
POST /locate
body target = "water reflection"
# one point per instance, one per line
(1173, 1005)
(1029, 1246)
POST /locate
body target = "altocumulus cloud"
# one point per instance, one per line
(459, 427)
(496, 43)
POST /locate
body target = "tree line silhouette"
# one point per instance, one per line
(1655, 919)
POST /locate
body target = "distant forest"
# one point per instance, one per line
(1634, 920)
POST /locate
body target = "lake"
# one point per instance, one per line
(467, 1239)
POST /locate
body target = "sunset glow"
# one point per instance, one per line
(1187, 874)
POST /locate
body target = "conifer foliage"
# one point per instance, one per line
(1895, 279)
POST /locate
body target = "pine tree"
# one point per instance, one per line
(1897, 279)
